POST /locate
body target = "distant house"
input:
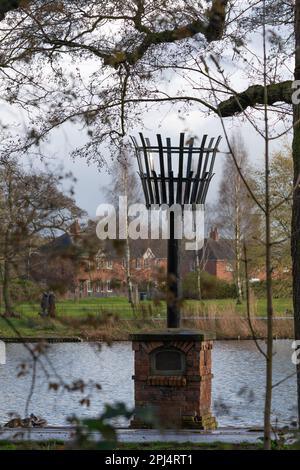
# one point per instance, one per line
(217, 256)
(100, 267)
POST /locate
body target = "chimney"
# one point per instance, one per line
(214, 234)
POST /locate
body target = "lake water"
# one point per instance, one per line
(238, 384)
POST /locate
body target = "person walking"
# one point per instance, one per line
(51, 305)
(44, 304)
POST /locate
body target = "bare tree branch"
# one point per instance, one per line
(255, 95)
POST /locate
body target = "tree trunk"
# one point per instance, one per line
(295, 235)
(269, 355)
(127, 246)
(198, 268)
(238, 278)
(238, 250)
(128, 272)
(6, 293)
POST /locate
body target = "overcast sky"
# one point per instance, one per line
(91, 181)
(164, 119)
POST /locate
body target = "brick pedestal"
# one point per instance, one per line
(173, 378)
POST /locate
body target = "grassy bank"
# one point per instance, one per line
(102, 328)
(113, 319)
(58, 445)
(120, 306)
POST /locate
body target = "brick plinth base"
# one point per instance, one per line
(181, 399)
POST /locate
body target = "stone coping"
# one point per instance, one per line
(173, 334)
(41, 339)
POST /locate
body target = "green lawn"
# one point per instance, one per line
(92, 305)
(121, 307)
(70, 313)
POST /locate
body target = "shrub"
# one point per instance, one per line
(211, 287)
(281, 288)
(116, 283)
(22, 290)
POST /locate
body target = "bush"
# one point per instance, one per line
(116, 283)
(281, 288)
(211, 287)
(22, 290)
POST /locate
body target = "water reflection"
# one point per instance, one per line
(238, 384)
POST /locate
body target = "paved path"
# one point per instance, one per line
(229, 435)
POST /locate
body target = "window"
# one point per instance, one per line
(109, 264)
(147, 262)
(138, 263)
(98, 286)
(99, 261)
(229, 268)
(89, 287)
(108, 286)
(169, 361)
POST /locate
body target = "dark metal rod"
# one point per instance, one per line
(162, 170)
(156, 189)
(214, 154)
(170, 172)
(173, 277)
(204, 175)
(180, 169)
(189, 173)
(147, 168)
(188, 188)
(197, 175)
(171, 189)
(145, 189)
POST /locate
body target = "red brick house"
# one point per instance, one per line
(106, 274)
(101, 266)
(216, 257)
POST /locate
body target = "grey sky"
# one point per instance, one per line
(91, 181)
(162, 119)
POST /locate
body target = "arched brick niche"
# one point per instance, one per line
(172, 377)
(167, 361)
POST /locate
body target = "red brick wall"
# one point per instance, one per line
(223, 271)
(211, 267)
(144, 273)
(182, 401)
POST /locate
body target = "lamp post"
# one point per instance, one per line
(175, 175)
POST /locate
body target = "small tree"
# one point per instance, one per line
(235, 209)
(30, 204)
(125, 184)
(281, 191)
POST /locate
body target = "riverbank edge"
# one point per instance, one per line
(112, 329)
(101, 339)
(228, 435)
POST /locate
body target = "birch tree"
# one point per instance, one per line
(236, 211)
(124, 183)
